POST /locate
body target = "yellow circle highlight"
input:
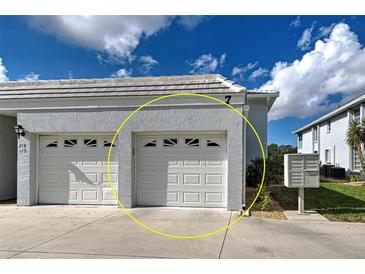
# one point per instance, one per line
(186, 236)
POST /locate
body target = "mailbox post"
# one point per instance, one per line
(301, 200)
(301, 171)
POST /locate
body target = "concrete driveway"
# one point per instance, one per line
(107, 232)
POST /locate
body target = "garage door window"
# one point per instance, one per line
(70, 143)
(150, 143)
(192, 142)
(170, 142)
(52, 144)
(108, 144)
(213, 143)
(90, 143)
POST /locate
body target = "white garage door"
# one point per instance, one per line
(182, 170)
(73, 170)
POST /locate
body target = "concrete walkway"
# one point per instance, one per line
(306, 216)
(107, 232)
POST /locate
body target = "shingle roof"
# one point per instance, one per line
(207, 83)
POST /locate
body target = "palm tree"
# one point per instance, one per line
(355, 137)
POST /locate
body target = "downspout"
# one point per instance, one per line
(245, 111)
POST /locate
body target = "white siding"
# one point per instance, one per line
(335, 141)
(315, 142)
(307, 143)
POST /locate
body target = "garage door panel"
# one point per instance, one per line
(182, 175)
(214, 163)
(90, 195)
(76, 174)
(192, 163)
(173, 179)
(172, 196)
(214, 179)
(191, 179)
(113, 177)
(213, 198)
(192, 197)
(108, 195)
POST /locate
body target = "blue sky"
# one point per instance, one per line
(268, 52)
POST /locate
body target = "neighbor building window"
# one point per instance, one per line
(328, 126)
(315, 133)
(356, 164)
(300, 140)
(356, 115)
(327, 155)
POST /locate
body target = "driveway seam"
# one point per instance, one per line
(93, 254)
(225, 235)
(68, 232)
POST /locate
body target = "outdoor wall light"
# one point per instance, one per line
(19, 130)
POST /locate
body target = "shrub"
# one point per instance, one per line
(254, 172)
(354, 178)
(274, 166)
(264, 199)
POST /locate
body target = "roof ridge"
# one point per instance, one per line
(111, 79)
(231, 84)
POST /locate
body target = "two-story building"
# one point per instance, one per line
(327, 135)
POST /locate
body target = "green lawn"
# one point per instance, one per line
(336, 201)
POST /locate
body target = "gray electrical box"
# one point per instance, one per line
(301, 170)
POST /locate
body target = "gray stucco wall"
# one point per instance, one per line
(257, 116)
(148, 120)
(27, 169)
(8, 144)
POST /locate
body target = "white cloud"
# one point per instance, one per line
(305, 40)
(30, 77)
(121, 73)
(206, 63)
(325, 31)
(222, 59)
(148, 62)
(296, 22)
(240, 70)
(260, 72)
(336, 65)
(3, 71)
(191, 21)
(117, 36)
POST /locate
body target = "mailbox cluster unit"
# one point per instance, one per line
(301, 170)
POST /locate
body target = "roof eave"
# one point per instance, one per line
(332, 113)
(270, 95)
